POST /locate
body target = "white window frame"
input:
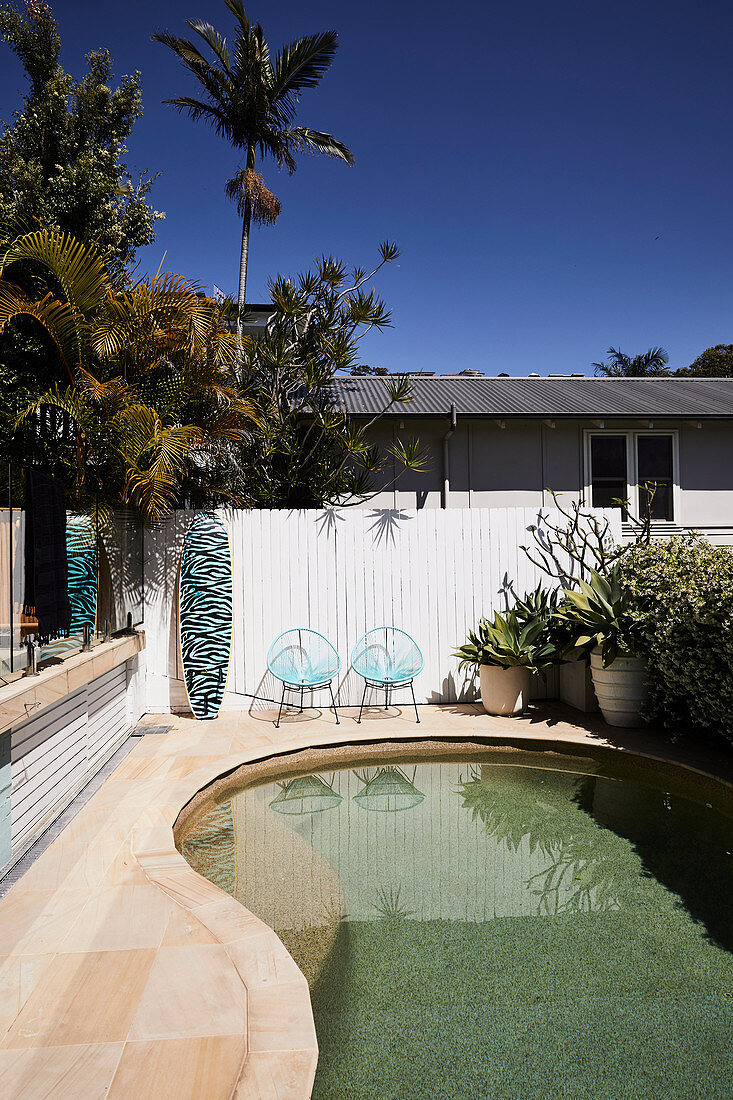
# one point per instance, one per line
(632, 473)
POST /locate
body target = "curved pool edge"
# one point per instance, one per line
(280, 1049)
(288, 989)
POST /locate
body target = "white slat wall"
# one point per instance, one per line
(53, 754)
(47, 763)
(431, 572)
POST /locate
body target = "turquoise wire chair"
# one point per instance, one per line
(387, 658)
(303, 660)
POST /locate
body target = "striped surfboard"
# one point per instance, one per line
(83, 583)
(205, 613)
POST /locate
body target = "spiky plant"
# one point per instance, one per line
(599, 613)
(509, 641)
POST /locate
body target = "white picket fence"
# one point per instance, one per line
(432, 572)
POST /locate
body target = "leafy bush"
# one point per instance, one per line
(683, 592)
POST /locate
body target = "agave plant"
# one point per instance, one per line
(599, 614)
(509, 641)
(542, 605)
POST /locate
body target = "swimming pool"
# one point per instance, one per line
(505, 925)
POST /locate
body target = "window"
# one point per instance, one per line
(654, 462)
(608, 470)
(620, 466)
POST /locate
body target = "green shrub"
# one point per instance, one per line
(683, 589)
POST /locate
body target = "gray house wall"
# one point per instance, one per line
(494, 466)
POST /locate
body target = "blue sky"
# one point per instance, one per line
(558, 177)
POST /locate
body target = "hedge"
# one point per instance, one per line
(683, 589)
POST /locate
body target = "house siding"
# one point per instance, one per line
(491, 466)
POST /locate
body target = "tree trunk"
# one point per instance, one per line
(243, 263)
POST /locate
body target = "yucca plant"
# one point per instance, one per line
(599, 614)
(509, 641)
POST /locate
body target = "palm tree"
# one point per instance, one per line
(152, 397)
(651, 362)
(252, 102)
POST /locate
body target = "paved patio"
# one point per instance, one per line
(125, 974)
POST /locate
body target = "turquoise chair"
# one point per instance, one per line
(387, 658)
(303, 660)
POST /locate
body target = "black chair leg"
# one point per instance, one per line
(386, 698)
(282, 700)
(361, 708)
(333, 704)
(301, 699)
(412, 689)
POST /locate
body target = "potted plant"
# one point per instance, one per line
(599, 612)
(506, 651)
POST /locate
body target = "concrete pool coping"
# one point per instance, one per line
(123, 973)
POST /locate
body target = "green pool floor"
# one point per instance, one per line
(508, 933)
(460, 1010)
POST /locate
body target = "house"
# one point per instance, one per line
(498, 441)
(256, 319)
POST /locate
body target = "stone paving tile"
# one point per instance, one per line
(179, 1069)
(276, 1021)
(192, 991)
(85, 998)
(276, 1076)
(183, 928)
(262, 961)
(19, 976)
(120, 918)
(60, 1073)
(36, 921)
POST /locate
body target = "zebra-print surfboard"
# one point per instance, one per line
(81, 553)
(205, 613)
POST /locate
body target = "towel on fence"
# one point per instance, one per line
(46, 565)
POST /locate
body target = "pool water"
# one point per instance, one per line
(477, 928)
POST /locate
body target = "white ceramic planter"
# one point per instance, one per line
(504, 690)
(621, 689)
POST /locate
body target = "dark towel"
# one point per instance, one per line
(46, 566)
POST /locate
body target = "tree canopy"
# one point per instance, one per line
(307, 452)
(715, 362)
(140, 392)
(62, 158)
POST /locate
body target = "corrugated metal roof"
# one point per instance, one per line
(555, 397)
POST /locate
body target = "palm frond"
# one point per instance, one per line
(236, 7)
(155, 457)
(78, 268)
(188, 52)
(314, 141)
(215, 41)
(300, 65)
(69, 401)
(60, 320)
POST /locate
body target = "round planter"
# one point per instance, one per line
(621, 689)
(504, 690)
